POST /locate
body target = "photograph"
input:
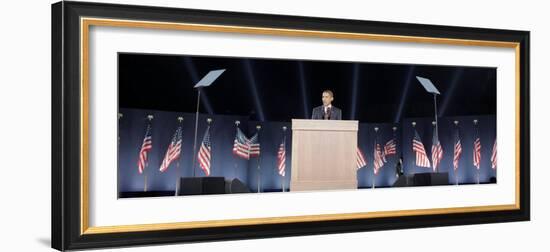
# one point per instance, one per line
(200, 125)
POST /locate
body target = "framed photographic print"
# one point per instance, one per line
(179, 125)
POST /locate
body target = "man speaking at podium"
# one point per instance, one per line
(327, 111)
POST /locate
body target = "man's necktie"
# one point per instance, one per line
(327, 114)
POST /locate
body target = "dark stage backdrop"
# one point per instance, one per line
(224, 163)
(466, 171)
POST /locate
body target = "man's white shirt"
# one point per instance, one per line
(325, 107)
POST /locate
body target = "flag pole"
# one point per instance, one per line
(456, 176)
(434, 123)
(435, 115)
(234, 159)
(209, 123)
(149, 117)
(436, 128)
(477, 135)
(196, 129)
(374, 158)
(178, 173)
(258, 127)
(145, 177)
(414, 127)
(284, 147)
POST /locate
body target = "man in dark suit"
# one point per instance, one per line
(327, 111)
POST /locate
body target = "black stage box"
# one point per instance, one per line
(404, 180)
(201, 185)
(428, 179)
(235, 186)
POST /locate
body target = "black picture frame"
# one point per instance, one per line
(66, 136)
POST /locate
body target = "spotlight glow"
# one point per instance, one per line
(447, 98)
(253, 89)
(305, 101)
(195, 78)
(408, 81)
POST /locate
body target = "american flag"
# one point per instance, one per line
(494, 156)
(361, 162)
(174, 150)
(477, 151)
(146, 146)
(418, 147)
(254, 146)
(390, 148)
(205, 153)
(281, 158)
(457, 150)
(378, 158)
(437, 150)
(240, 145)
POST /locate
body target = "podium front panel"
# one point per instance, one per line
(323, 155)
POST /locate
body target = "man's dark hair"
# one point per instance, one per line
(328, 92)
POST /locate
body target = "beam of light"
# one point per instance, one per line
(252, 85)
(305, 102)
(355, 84)
(449, 92)
(408, 81)
(195, 78)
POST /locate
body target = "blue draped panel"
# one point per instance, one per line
(224, 163)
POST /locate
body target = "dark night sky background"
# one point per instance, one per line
(279, 90)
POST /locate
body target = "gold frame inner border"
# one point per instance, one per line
(86, 23)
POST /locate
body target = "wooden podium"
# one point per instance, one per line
(323, 155)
